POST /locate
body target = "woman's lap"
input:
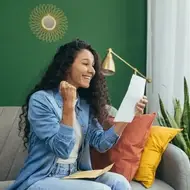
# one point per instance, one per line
(114, 181)
(107, 181)
(53, 183)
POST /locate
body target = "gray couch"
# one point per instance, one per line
(173, 172)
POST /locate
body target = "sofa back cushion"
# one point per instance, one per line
(11, 149)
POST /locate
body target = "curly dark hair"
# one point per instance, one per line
(96, 95)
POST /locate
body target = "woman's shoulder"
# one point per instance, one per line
(41, 97)
(42, 93)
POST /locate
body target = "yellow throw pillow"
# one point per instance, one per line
(152, 153)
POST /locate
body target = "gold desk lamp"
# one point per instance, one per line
(108, 66)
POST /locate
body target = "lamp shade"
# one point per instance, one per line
(108, 65)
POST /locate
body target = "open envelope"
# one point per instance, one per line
(89, 174)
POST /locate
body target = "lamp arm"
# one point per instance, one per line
(135, 69)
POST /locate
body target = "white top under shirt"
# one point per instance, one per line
(74, 153)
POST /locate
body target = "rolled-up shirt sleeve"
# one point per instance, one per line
(99, 139)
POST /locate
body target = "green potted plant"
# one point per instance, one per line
(180, 119)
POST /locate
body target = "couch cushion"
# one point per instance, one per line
(11, 148)
(5, 184)
(158, 185)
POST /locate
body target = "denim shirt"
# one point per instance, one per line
(50, 140)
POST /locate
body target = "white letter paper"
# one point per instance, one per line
(135, 92)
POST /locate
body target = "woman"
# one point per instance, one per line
(62, 118)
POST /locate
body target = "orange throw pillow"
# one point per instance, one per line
(126, 154)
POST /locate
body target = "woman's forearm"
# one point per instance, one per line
(119, 127)
(68, 115)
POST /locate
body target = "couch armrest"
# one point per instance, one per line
(174, 168)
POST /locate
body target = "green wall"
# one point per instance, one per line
(120, 25)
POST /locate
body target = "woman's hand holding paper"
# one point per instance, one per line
(140, 106)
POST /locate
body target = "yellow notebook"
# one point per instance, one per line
(89, 174)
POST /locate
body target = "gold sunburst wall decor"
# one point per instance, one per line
(48, 22)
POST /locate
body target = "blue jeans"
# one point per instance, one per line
(107, 181)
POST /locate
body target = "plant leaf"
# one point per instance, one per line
(181, 119)
(185, 120)
(177, 111)
(163, 112)
(188, 152)
(161, 120)
(179, 137)
(186, 138)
